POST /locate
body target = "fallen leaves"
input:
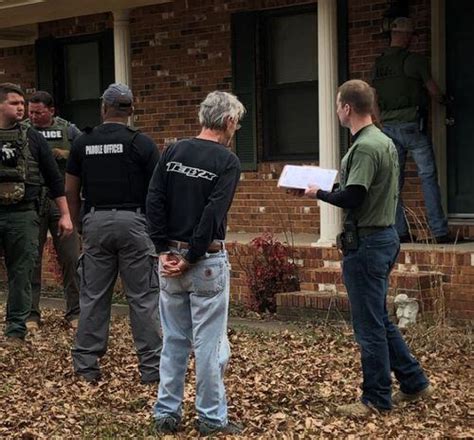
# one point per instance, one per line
(283, 385)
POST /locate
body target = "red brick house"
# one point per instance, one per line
(284, 59)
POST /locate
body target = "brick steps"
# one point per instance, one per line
(310, 305)
(322, 289)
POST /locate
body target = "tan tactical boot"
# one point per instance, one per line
(357, 409)
(32, 326)
(401, 397)
(12, 342)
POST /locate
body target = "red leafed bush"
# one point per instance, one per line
(271, 271)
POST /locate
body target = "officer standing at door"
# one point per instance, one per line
(402, 80)
(59, 135)
(112, 166)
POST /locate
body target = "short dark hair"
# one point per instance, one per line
(117, 112)
(6, 88)
(358, 94)
(42, 97)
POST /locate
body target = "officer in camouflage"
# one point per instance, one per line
(25, 160)
(59, 134)
(112, 165)
(401, 80)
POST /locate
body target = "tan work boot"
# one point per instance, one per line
(32, 326)
(12, 341)
(357, 409)
(401, 397)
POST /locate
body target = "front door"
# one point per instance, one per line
(76, 71)
(460, 114)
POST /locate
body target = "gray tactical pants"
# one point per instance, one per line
(117, 242)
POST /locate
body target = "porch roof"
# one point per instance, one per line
(24, 12)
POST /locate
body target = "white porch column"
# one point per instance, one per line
(329, 148)
(122, 46)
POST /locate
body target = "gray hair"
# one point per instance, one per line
(218, 106)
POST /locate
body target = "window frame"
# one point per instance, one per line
(264, 89)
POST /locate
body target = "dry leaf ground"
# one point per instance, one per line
(280, 385)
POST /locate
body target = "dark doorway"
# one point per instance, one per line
(76, 71)
(460, 85)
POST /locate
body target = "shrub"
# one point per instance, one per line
(271, 271)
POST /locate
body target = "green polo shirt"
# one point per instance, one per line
(372, 162)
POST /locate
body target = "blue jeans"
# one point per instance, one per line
(193, 310)
(366, 276)
(408, 138)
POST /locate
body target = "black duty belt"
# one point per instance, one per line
(215, 246)
(137, 209)
(367, 230)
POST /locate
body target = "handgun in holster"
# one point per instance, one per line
(348, 239)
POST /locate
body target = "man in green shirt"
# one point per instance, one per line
(368, 193)
(402, 80)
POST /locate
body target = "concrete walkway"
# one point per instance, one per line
(270, 326)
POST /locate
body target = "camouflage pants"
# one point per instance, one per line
(19, 240)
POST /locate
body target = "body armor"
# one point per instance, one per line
(112, 179)
(395, 89)
(24, 171)
(56, 136)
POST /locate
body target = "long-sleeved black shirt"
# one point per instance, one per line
(350, 198)
(190, 193)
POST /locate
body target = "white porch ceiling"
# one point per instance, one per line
(22, 12)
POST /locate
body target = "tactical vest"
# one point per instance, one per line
(395, 89)
(13, 180)
(56, 136)
(110, 176)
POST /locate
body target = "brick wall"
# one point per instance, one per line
(75, 26)
(17, 65)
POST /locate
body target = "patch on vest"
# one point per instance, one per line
(11, 192)
(52, 134)
(94, 150)
(197, 173)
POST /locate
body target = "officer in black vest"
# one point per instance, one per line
(112, 166)
(59, 135)
(25, 160)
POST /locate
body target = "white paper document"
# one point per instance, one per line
(301, 176)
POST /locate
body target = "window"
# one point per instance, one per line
(83, 80)
(275, 70)
(290, 89)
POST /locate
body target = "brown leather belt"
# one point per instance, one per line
(215, 246)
